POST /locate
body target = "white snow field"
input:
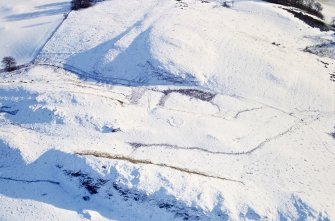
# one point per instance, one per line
(172, 110)
(328, 9)
(25, 25)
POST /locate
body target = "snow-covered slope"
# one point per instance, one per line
(172, 110)
(232, 51)
(328, 9)
(26, 25)
(162, 152)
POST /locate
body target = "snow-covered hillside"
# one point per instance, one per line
(232, 51)
(25, 25)
(328, 9)
(170, 110)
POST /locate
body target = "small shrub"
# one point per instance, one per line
(9, 63)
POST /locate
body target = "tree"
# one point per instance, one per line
(9, 63)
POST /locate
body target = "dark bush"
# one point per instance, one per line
(311, 6)
(79, 4)
(9, 63)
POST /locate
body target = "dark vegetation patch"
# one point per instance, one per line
(9, 63)
(86, 198)
(325, 49)
(80, 4)
(228, 4)
(116, 190)
(309, 20)
(179, 210)
(181, 4)
(5, 109)
(90, 184)
(128, 194)
(198, 94)
(310, 6)
(332, 78)
(325, 63)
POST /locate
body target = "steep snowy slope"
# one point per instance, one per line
(172, 110)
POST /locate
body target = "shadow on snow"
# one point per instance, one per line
(131, 65)
(65, 181)
(21, 107)
(42, 11)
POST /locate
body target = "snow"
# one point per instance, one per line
(158, 47)
(26, 25)
(328, 9)
(166, 110)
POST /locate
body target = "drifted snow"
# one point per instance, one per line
(255, 144)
